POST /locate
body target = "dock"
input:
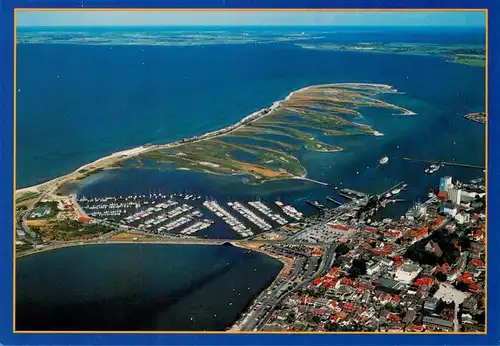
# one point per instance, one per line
(312, 181)
(333, 200)
(313, 204)
(445, 163)
(352, 194)
(381, 195)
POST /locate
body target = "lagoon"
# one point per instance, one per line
(139, 287)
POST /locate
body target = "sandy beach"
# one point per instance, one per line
(287, 261)
(103, 161)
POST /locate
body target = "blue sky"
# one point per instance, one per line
(302, 18)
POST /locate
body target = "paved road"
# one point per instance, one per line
(319, 221)
(251, 319)
(253, 322)
(22, 217)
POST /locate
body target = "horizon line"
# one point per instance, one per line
(252, 25)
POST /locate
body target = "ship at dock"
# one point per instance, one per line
(316, 204)
(432, 168)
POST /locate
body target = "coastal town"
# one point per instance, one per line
(344, 270)
(251, 171)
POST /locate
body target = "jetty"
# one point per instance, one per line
(446, 163)
(379, 196)
(352, 194)
(331, 199)
(313, 181)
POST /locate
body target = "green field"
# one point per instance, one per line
(27, 196)
(473, 55)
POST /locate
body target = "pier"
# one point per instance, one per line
(234, 223)
(264, 209)
(381, 195)
(182, 214)
(316, 205)
(312, 181)
(289, 210)
(352, 194)
(333, 200)
(250, 216)
(445, 163)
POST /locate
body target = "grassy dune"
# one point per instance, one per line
(294, 125)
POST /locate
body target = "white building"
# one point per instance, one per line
(454, 194)
(449, 209)
(462, 218)
(466, 196)
(445, 183)
(417, 211)
(373, 268)
(407, 273)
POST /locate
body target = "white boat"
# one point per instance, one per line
(384, 160)
(434, 168)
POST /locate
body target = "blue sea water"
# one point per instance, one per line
(438, 91)
(154, 287)
(76, 103)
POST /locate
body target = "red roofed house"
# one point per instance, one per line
(339, 227)
(348, 306)
(477, 263)
(320, 312)
(442, 195)
(84, 219)
(393, 317)
(317, 281)
(423, 281)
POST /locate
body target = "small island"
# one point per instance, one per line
(479, 117)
